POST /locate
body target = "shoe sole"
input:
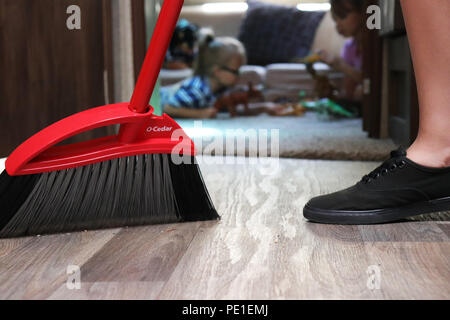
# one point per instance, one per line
(376, 216)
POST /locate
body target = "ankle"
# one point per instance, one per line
(429, 156)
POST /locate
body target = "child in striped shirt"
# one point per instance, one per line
(216, 68)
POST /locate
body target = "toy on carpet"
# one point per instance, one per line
(323, 88)
(290, 110)
(327, 109)
(231, 99)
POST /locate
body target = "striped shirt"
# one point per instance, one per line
(194, 93)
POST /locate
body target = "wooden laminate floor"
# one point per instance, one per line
(262, 248)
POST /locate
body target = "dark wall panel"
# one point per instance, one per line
(47, 71)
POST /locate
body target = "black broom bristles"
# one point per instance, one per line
(129, 191)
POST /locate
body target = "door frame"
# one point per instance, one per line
(139, 34)
(108, 52)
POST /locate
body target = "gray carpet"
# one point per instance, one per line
(304, 137)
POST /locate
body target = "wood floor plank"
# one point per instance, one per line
(37, 268)
(412, 270)
(131, 290)
(8, 246)
(403, 232)
(445, 227)
(135, 264)
(263, 248)
(233, 263)
(140, 254)
(281, 184)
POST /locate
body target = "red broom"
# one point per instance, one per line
(132, 178)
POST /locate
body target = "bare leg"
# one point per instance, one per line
(428, 28)
(405, 194)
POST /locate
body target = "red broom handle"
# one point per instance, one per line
(156, 52)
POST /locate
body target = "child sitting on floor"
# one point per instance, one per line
(216, 69)
(349, 18)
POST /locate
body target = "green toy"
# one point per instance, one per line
(326, 109)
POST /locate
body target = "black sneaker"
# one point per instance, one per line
(397, 189)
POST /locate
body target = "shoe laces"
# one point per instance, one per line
(390, 165)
